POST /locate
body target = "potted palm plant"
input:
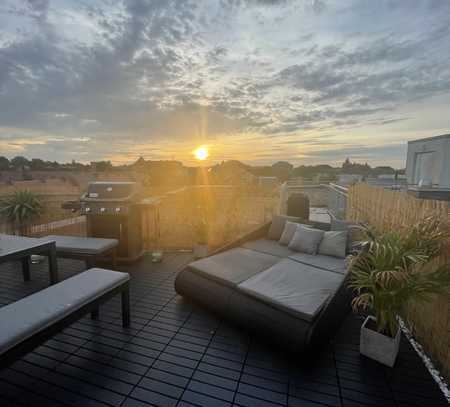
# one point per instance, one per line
(20, 209)
(387, 275)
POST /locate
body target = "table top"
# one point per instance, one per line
(15, 245)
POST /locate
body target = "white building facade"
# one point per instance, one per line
(428, 162)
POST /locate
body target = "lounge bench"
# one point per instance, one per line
(88, 249)
(27, 323)
(293, 298)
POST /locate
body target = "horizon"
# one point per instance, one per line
(206, 164)
(258, 81)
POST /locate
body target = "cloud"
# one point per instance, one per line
(154, 71)
(392, 154)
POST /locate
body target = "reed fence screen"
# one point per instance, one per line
(395, 210)
(228, 211)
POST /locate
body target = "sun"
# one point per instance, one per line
(201, 153)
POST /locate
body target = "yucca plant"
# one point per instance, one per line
(21, 208)
(387, 274)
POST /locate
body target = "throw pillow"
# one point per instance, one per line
(277, 226)
(288, 233)
(355, 231)
(334, 244)
(306, 240)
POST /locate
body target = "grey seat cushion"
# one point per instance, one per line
(277, 225)
(82, 245)
(32, 314)
(293, 287)
(233, 266)
(328, 263)
(269, 247)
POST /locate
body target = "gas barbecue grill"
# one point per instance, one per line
(112, 211)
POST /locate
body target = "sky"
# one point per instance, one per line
(306, 81)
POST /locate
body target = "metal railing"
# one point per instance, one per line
(337, 201)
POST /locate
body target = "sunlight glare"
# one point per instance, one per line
(201, 153)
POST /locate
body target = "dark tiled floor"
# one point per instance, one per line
(176, 354)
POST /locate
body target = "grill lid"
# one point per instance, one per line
(111, 191)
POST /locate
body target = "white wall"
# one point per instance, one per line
(437, 166)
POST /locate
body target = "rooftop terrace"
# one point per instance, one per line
(176, 354)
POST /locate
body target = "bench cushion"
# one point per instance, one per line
(233, 266)
(328, 263)
(82, 245)
(30, 315)
(296, 288)
(267, 246)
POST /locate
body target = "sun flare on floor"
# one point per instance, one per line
(201, 153)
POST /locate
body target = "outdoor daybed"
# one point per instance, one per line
(291, 297)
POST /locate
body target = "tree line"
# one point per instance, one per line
(281, 169)
(36, 164)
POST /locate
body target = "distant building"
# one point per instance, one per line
(386, 176)
(428, 167)
(428, 162)
(348, 179)
(389, 181)
(296, 181)
(323, 177)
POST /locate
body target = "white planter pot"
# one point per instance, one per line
(377, 346)
(200, 251)
(157, 256)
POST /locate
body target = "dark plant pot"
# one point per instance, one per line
(375, 345)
